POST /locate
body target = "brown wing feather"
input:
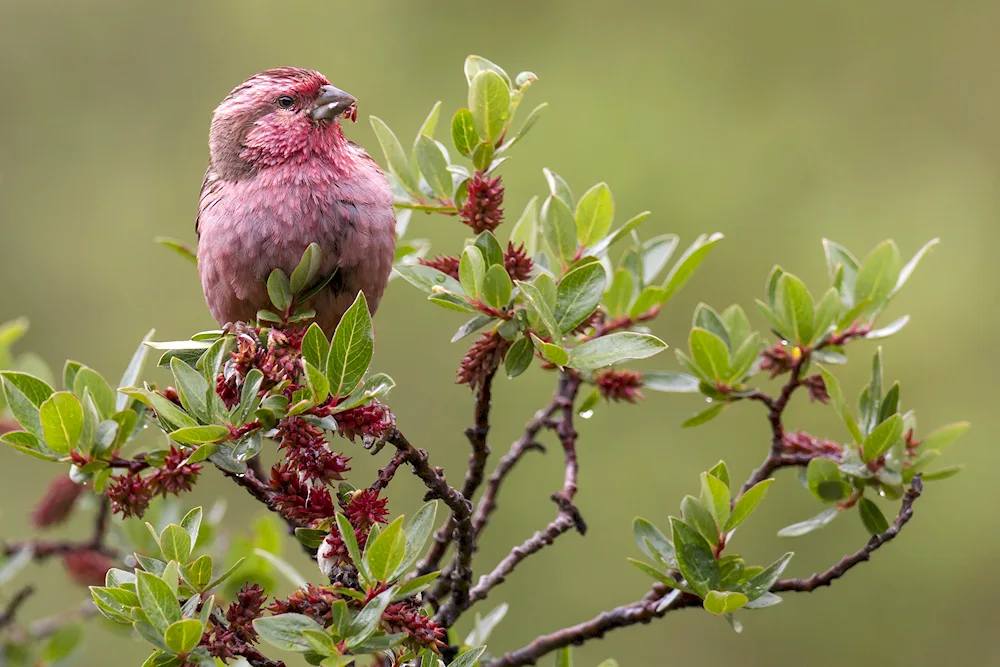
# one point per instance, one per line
(210, 196)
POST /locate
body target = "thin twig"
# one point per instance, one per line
(473, 479)
(101, 524)
(386, 473)
(863, 554)
(10, 611)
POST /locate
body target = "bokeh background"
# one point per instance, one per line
(776, 123)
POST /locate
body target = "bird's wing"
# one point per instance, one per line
(211, 187)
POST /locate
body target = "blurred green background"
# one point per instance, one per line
(776, 123)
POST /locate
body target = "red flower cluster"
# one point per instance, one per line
(230, 642)
(803, 443)
(371, 422)
(174, 475)
(316, 602)
(482, 210)
(619, 385)
(307, 451)
(406, 617)
(365, 509)
(278, 361)
(519, 266)
(57, 503)
(777, 360)
(817, 388)
(443, 263)
(87, 567)
(485, 356)
(297, 500)
(130, 495)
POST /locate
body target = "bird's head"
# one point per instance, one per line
(276, 116)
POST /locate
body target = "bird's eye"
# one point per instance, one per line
(285, 102)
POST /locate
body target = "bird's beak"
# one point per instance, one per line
(331, 103)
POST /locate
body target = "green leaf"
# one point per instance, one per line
(840, 404)
(630, 225)
(284, 631)
(430, 122)
(307, 270)
(473, 325)
(489, 101)
(469, 658)
(497, 286)
(25, 395)
(197, 435)
(564, 657)
(366, 622)
(463, 132)
(705, 415)
(669, 381)
(578, 294)
(878, 275)
(434, 166)
(613, 348)
(809, 525)
(525, 230)
(761, 583)
(181, 248)
(706, 318)
(395, 158)
(62, 643)
(943, 437)
(559, 229)
(519, 357)
(715, 496)
(825, 480)
(558, 187)
(942, 473)
(594, 213)
(490, 247)
(872, 517)
(838, 256)
(158, 601)
(279, 290)
(132, 371)
(541, 305)
(699, 517)
(709, 353)
(694, 558)
(418, 530)
(352, 348)
(61, 417)
(385, 553)
(428, 279)
(192, 388)
(747, 503)
(472, 270)
(529, 122)
(175, 543)
(688, 262)
(882, 438)
(351, 543)
(476, 64)
(619, 295)
(27, 443)
(652, 542)
(199, 573)
(724, 602)
(911, 266)
(317, 383)
(794, 305)
(183, 636)
(826, 314)
(225, 575)
(550, 352)
(315, 347)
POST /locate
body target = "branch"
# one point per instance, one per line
(10, 612)
(861, 555)
(386, 474)
(461, 512)
(776, 410)
(653, 604)
(473, 477)
(568, 516)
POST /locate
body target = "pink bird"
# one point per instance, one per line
(282, 176)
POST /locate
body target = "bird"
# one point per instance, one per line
(281, 176)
